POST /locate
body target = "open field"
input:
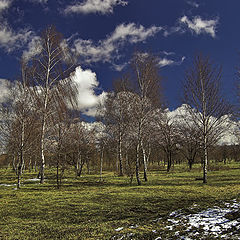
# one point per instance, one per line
(85, 208)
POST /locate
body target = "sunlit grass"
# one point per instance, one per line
(85, 208)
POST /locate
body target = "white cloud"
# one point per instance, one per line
(4, 89)
(87, 83)
(119, 67)
(94, 6)
(228, 137)
(170, 31)
(168, 53)
(193, 4)
(4, 4)
(33, 48)
(199, 26)
(166, 62)
(10, 39)
(107, 50)
(39, 1)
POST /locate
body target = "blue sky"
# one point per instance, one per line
(106, 32)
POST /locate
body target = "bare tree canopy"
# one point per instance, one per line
(207, 109)
(53, 88)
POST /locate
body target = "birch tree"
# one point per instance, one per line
(205, 105)
(167, 134)
(52, 83)
(147, 81)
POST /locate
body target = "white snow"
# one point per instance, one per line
(132, 227)
(119, 229)
(212, 221)
(7, 185)
(33, 180)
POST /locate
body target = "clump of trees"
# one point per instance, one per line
(40, 122)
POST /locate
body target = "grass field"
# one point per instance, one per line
(85, 208)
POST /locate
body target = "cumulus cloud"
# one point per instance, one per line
(200, 26)
(227, 137)
(94, 6)
(87, 83)
(107, 50)
(4, 89)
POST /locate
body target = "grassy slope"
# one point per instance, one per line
(87, 209)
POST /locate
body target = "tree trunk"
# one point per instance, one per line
(101, 164)
(14, 163)
(58, 185)
(21, 158)
(169, 163)
(79, 166)
(144, 163)
(205, 161)
(120, 155)
(42, 167)
(190, 163)
(137, 165)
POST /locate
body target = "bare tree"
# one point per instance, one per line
(117, 118)
(147, 81)
(52, 83)
(205, 105)
(167, 135)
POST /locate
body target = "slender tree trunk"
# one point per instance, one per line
(21, 158)
(20, 169)
(14, 163)
(58, 185)
(88, 165)
(101, 163)
(205, 161)
(144, 163)
(42, 167)
(169, 163)
(190, 163)
(120, 154)
(30, 163)
(80, 164)
(137, 165)
(35, 166)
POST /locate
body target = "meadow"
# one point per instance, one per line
(87, 208)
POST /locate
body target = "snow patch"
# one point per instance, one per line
(7, 185)
(119, 229)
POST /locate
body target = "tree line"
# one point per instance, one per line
(40, 121)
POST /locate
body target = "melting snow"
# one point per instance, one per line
(7, 185)
(119, 229)
(33, 180)
(212, 221)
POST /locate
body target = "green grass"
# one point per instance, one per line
(85, 208)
